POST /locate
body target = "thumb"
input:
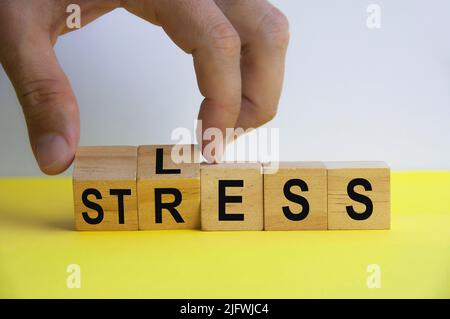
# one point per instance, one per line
(47, 100)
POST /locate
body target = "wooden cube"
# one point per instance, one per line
(358, 195)
(168, 189)
(232, 196)
(295, 196)
(104, 188)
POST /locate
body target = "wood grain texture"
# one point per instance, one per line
(340, 174)
(314, 177)
(104, 169)
(186, 182)
(251, 195)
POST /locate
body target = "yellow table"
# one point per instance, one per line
(37, 244)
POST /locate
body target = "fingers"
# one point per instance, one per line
(226, 75)
(47, 100)
(199, 27)
(264, 33)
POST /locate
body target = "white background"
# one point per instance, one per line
(351, 93)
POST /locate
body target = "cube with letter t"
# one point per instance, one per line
(168, 187)
(104, 188)
(358, 195)
(232, 196)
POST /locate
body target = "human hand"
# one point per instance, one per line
(238, 48)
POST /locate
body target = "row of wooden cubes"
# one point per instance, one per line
(131, 188)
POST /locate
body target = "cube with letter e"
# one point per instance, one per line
(232, 196)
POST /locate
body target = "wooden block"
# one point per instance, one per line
(295, 196)
(168, 192)
(358, 195)
(104, 188)
(232, 196)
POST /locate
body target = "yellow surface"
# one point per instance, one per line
(37, 244)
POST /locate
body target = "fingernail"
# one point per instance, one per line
(51, 150)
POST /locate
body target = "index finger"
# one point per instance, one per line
(200, 28)
(264, 32)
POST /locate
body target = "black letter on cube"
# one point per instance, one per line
(359, 198)
(159, 205)
(296, 199)
(223, 199)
